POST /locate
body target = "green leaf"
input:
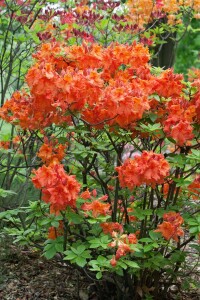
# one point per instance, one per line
(81, 249)
(148, 248)
(101, 259)
(146, 240)
(5, 193)
(195, 155)
(154, 235)
(55, 224)
(59, 247)
(181, 182)
(45, 222)
(122, 264)
(81, 262)
(153, 117)
(194, 230)
(50, 252)
(70, 255)
(192, 222)
(86, 254)
(100, 242)
(132, 264)
(99, 275)
(150, 128)
(74, 218)
(74, 250)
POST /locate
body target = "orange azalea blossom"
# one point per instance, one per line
(97, 208)
(88, 195)
(174, 218)
(169, 231)
(181, 132)
(149, 168)
(122, 243)
(113, 261)
(87, 79)
(193, 74)
(170, 228)
(194, 187)
(169, 84)
(85, 195)
(4, 144)
(58, 188)
(178, 124)
(51, 154)
(55, 232)
(196, 97)
(111, 226)
(143, 12)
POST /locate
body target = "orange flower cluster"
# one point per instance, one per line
(170, 228)
(193, 74)
(31, 112)
(168, 84)
(178, 124)
(97, 208)
(98, 82)
(143, 12)
(58, 188)
(4, 144)
(149, 168)
(103, 86)
(111, 226)
(196, 97)
(51, 154)
(194, 187)
(176, 113)
(122, 243)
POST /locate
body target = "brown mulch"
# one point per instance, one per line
(25, 275)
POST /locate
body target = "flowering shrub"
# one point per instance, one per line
(130, 218)
(112, 145)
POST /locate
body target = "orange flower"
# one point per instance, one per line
(113, 261)
(50, 154)
(85, 195)
(45, 176)
(4, 144)
(84, 78)
(169, 231)
(122, 250)
(97, 208)
(168, 84)
(181, 132)
(170, 228)
(149, 168)
(111, 226)
(174, 218)
(58, 188)
(122, 243)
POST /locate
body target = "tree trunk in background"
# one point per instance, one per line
(165, 57)
(164, 53)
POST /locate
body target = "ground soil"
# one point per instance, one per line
(26, 275)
